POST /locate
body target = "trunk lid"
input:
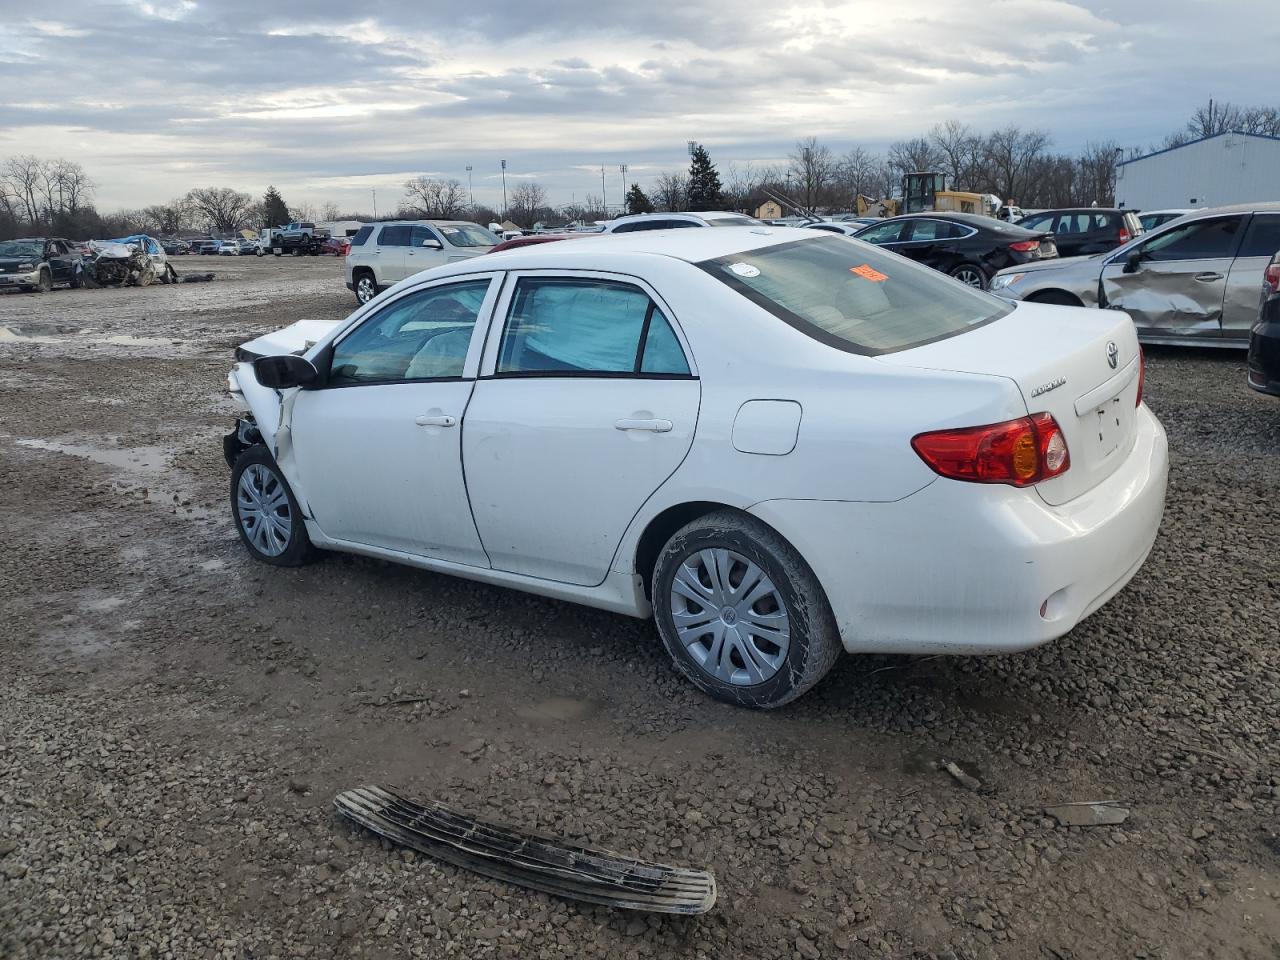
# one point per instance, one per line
(1061, 360)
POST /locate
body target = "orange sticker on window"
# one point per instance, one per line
(868, 272)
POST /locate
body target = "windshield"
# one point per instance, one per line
(853, 296)
(22, 248)
(468, 235)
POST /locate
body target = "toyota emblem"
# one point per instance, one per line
(1113, 353)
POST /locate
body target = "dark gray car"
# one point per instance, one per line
(1193, 280)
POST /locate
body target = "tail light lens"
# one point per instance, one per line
(1125, 236)
(1018, 452)
(1025, 246)
(1142, 375)
(1271, 279)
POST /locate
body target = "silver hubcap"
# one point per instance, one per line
(970, 277)
(730, 617)
(366, 289)
(263, 506)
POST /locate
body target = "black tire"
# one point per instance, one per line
(278, 251)
(44, 282)
(1059, 297)
(365, 291)
(297, 549)
(971, 275)
(76, 281)
(814, 641)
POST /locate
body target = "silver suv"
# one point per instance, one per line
(383, 254)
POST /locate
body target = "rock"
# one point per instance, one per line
(807, 948)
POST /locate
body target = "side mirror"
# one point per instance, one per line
(1133, 261)
(284, 372)
(432, 244)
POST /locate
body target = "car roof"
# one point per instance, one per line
(969, 219)
(1041, 213)
(1266, 206)
(691, 246)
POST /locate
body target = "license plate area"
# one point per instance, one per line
(1109, 425)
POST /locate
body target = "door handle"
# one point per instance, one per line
(653, 426)
(440, 421)
(1208, 277)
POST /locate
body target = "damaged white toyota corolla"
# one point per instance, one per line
(776, 447)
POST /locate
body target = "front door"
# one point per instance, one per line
(378, 444)
(425, 250)
(1178, 286)
(586, 405)
(1244, 282)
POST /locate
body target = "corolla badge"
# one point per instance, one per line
(1046, 387)
(1113, 353)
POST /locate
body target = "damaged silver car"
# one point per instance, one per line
(1194, 280)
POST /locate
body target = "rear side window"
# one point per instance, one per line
(567, 326)
(394, 237)
(361, 236)
(1263, 238)
(1201, 240)
(933, 230)
(853, 297)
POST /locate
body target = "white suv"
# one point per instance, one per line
(385, 253)
(675, 221)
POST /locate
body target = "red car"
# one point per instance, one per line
(338, 246)
(533, 238)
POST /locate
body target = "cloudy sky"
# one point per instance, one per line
(335, 99)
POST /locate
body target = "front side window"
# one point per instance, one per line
(420, 235)
(423, 336)
(889, 232)
(394, 236)
(1263, 237)
(855, 298)
(1201, 240)
(566, 326)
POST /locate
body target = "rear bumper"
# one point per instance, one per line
(965, 568)
(1264, 351)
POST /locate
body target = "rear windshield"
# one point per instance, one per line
(853, 296)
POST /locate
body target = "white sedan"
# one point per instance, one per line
(778, 447)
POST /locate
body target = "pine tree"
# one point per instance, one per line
(705, 190)
(274, 210)
(637, 202)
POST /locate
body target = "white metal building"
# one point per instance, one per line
(1212, 172)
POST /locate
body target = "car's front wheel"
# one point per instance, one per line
(970, 275)
(44, 282)
(265, 511)
(741, 613)
(366, 287)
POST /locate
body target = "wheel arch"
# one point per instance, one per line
(1055, 295)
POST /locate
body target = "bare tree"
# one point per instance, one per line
(855, 175)
(1011, 154)
(23, 174)
(330, 211)
(435, 198)
(1214, 118)
(913, 156)
(303, 211)
(742, 184)
(224, 209)
(169, 218)
(958, 151)
(528, 200)
(670, 192)
(812, 169)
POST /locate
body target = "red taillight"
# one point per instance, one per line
(1124, 236)
(1025, 246)
(1271, 279)
(1142, 375)
(1019, 452)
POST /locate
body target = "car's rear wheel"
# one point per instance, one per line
(741, 613)
(970, 275)
(366, 287)
(265, 511)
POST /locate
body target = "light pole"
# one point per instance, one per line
(375, 202)
(623, 168)
(470, 193)
(504, 188)
(604, 194)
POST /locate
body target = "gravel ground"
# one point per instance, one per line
(177, 719)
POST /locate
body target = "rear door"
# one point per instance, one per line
(927, 241)
(1178, 287)
(586, 404)
(1261, 243)
(391, 247)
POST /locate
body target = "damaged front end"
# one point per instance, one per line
(119, 265)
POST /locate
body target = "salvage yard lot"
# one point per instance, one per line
(177, 719)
